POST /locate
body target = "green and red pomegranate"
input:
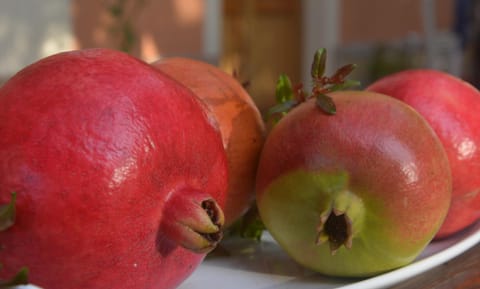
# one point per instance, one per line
(351, 183)
(356, 193)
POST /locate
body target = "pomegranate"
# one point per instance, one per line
(356, 193)
(451, 107)
(238, 118)
(117, 172)
(351, 183)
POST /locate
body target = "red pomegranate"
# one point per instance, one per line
(451, 106)
(118, 174)
(239, 121)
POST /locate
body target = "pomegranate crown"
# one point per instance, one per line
(288, 96)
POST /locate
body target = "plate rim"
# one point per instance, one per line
(433, 255)
(420, 266)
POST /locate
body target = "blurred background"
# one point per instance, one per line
(259, 39)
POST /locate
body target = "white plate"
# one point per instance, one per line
(245, 264)
(249, 265)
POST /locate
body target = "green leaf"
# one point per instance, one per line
(254, 230)
(283, 107)
(21, 278)
(349, 83)
(326, 103)
(8, 213)
(344, 71)
(284, 89)
(250, 226)
(319, 63)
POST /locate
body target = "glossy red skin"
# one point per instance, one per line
(452, 107)
(93, 142)
(395, 162)
(239, 121)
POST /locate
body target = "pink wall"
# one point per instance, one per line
(167, 28)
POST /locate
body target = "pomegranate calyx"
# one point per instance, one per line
(8, 213)
(336, 228)
(245, 84)
(193, 220)
(342, 219)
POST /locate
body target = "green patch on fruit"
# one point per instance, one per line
(338, 214)
(326, 226)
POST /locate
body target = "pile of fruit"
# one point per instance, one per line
(116, 173)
